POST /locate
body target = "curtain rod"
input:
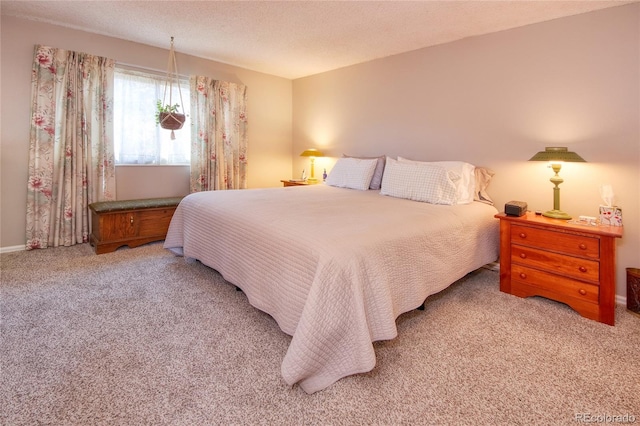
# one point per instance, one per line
(147, 69)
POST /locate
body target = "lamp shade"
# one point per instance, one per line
(557, 154)
(311, 153)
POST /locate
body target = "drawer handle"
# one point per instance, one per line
(523, 275)
(582, 291)
(523, 235)
(582, 269)
(131, 219)
(523, 255)
(582, 246)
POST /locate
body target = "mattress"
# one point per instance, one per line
(334, 267)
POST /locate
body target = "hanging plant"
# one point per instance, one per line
(168, 117)
(167, 114)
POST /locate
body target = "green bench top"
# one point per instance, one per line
(148, 203)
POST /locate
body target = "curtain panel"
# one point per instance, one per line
(219, 135)
(71, 162)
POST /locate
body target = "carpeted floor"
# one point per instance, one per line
(141, 337)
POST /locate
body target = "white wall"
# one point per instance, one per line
(269, 115)
(495, 100)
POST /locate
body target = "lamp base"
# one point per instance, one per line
(557, 214)
(312, 180)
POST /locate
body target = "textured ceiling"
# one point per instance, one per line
(294, 39)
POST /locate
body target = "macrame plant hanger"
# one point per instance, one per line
(170, 118)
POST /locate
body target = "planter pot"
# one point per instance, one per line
(171, 120)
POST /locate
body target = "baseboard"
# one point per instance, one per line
(12, 248)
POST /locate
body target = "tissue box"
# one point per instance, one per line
(610, 215)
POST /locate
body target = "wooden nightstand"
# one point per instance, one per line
(566, 262)
(294, 183)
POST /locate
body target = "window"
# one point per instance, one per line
(137, 137)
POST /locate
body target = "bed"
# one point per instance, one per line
(334, 266)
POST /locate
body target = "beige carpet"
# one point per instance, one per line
(142, 337)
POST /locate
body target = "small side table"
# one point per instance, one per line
(562, 261)
(294, 183)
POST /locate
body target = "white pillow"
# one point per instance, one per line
(420, 182)
(466, 185)
(376, 180)
(354, 173)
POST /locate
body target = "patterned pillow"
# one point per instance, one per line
(424, 182)
(465, 186)
(376, 180)
(352, 173)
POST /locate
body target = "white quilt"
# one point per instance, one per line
(334, 267)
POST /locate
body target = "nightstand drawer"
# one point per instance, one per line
(555, 286)
(574, 267)
(577, 245)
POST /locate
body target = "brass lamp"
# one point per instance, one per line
(312, 154)
(556, 156)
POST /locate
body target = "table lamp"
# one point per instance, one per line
(312, 154)
(556, 156)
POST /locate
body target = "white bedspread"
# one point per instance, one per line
(334, 267)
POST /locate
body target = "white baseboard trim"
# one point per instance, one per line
(12, 248)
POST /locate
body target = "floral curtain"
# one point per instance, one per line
(71, 162)
(219, 135)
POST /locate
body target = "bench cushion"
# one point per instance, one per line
(148, 203)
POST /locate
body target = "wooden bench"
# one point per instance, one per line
(130, 222)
